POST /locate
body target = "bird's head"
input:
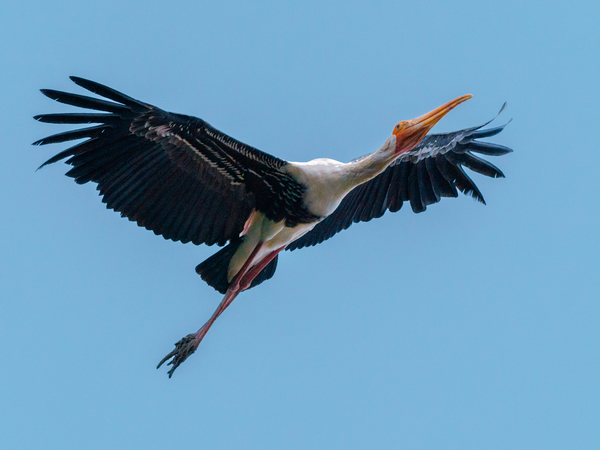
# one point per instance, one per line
(410, 132)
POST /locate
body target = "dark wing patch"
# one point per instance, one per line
(431, 171)
(172, 174)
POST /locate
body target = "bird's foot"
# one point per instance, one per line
(183, 349)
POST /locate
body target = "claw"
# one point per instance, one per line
(183, 349)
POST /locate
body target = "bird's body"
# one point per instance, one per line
(181, 178)
(327, 182)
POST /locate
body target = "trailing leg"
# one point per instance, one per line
(188, 345)
(242, 281)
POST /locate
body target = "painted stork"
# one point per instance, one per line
(183, 179)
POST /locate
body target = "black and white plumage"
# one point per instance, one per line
(183, 179)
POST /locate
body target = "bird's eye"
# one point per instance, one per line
(400, 126)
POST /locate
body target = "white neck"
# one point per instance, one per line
(368, 167)
(329, 181)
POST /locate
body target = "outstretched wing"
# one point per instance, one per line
(172, 174)
(432, 170)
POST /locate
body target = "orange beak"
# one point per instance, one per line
(409, 133)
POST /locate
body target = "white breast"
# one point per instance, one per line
(326, 182)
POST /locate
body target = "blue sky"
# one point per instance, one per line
(464, 327)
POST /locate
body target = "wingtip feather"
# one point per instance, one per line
(50, 93)
(108, 92)
(502, 109)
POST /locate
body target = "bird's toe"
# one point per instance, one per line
(183, 349)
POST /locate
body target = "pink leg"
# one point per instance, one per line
(242, 281)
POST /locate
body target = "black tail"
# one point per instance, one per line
(214, 269)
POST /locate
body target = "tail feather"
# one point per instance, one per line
(215, 268)
(266, 274)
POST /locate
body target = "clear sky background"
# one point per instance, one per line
(465, 327)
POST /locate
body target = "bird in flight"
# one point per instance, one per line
(187, 181)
